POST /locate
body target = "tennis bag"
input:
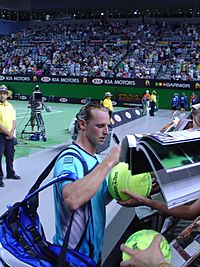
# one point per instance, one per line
(22, 239)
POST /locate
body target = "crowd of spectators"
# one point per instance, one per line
(164, 50)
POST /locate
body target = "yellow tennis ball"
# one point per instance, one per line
(120, 178)
(117, 181)
(142, 239)
(140, 184)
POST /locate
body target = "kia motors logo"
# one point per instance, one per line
(117, 118)
(128, 115)
(97, 81)
(137, 112)
(2, 78)
(63, 100)
(45, 79)
(23, 97)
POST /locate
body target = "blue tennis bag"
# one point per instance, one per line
(22, 239)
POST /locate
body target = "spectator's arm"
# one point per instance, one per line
(188, 212)
(3, 130)
(14, 126)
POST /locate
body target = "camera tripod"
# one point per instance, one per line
(40, 134)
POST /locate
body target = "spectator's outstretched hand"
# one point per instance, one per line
(150, 257)
(134, 201)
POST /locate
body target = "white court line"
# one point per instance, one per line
(21, 113)
(48, 113)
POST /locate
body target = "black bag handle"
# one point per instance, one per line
(62, 177)
(32, 197)
(50, 166)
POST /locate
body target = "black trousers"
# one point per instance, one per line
(7, 149)
(152, 108)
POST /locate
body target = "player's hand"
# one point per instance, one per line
(114, 154)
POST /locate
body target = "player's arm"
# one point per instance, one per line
(79, 192)
(189, 212)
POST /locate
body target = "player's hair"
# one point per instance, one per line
(85, 111)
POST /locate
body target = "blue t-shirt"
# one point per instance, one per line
(69, 164)
(175, 102)
(183, 101)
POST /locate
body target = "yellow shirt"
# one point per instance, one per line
(7, 115)
(107, 103)
(153, 98)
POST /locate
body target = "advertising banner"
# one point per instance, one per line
(127, 82)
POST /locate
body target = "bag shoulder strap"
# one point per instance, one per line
(45, 173)
(50, 166)
(76, 155)
(36, 188)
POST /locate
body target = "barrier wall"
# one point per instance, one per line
(126, 92)
(125, 116)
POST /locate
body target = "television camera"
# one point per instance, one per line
(36, 104)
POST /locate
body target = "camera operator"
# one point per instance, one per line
(36, 104)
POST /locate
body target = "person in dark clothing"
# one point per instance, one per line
(183, 103)
(36, 104)
(174, 104)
